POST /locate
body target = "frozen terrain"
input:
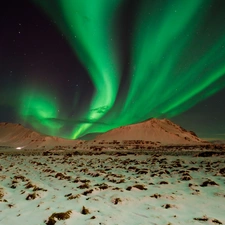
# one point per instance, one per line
(110, 189)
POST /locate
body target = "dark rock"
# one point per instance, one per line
(85, 211)
(216, 221)
(208, 182)
(58, 216)
(163, 182)
(140, 187)
(201, 219)
(129, 188)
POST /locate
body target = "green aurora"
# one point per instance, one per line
(173, 64)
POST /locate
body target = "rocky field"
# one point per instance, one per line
(107, 189)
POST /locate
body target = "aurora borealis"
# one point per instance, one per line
(75, 67)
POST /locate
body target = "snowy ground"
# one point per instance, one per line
(115, 189)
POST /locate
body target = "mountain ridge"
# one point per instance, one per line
(156, 130)
(16, 135)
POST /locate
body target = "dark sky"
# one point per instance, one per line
(73, 67)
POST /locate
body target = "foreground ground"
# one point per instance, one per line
(111, 189)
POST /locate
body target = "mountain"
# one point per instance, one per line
(155, 130)
(161, 132)
(15, 135)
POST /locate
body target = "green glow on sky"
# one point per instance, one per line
(40, 111)
(172, 67)
(160, 38)
(162, 84)
(88, 26)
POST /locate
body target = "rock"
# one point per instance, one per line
(208, 183)
(140, 187)
(58, 216)
(85, 211)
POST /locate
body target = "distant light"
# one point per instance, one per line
(19, 148)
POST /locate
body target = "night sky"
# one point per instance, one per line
(73, 67)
